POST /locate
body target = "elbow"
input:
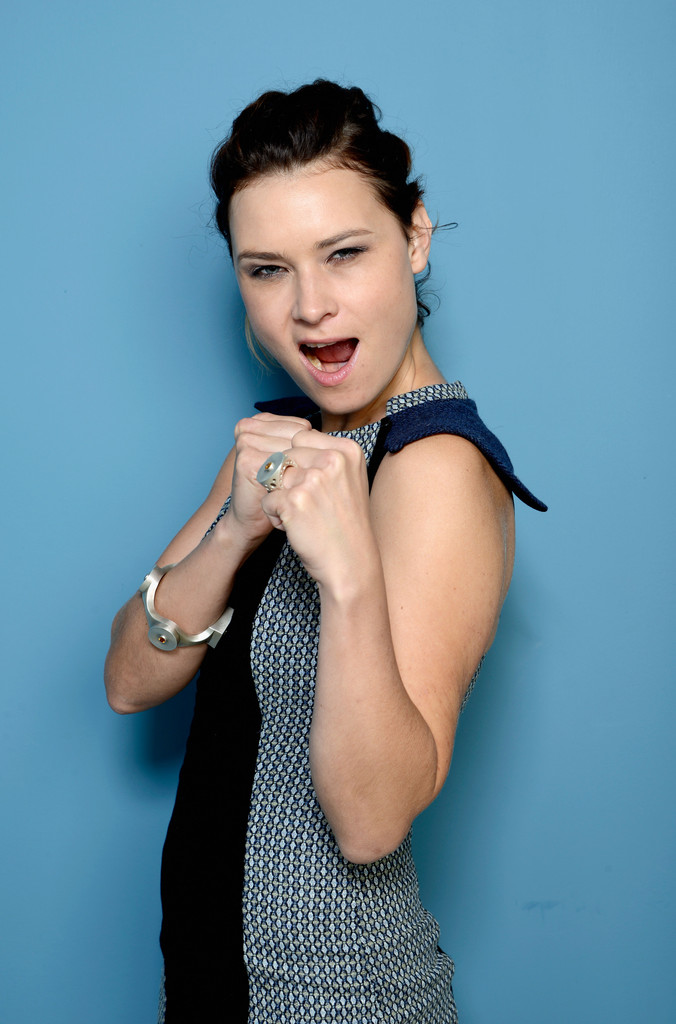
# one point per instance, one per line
(120, 706)
(365, 854)
(366, 832)
(367, 845)
(117, 693)
(117, 700)
(113, 676)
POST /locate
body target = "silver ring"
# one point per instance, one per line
(272, 471)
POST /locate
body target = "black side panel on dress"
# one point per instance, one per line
(203, 856)
(294, 405)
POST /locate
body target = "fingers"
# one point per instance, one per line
(327, 471)
(259, 436)
(266, 425)
(322, 503)
(334, 456)
(269, 433)
(313, 454)
(320, 476)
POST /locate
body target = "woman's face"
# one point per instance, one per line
(326, 275)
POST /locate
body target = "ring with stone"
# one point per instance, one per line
(272, 471)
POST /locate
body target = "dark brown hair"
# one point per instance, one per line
(321, 121)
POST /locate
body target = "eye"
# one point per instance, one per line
(345, 255)
(267, 270)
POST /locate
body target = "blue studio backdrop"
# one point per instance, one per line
(547, 131)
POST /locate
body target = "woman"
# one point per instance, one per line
(364, 540)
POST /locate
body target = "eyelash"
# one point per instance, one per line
(269, 270)
(343, 255)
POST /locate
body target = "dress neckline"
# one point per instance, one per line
(407, 400)
(428, 393)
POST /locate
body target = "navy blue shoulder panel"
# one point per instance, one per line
(457, 416)
(442, 416)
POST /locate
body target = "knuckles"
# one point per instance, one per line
(321, 460)
(313, 478)
(352, 451)
(241, 426)
(243, 440)
(333, 461)
(269, 423)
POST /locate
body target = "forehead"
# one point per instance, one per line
(309, 203)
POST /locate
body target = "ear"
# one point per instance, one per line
(420, 239)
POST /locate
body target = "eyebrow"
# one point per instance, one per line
(335, 239)
(326, 243)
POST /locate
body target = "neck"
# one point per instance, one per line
(417, 370)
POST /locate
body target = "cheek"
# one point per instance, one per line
(262, 308)
(392, 294)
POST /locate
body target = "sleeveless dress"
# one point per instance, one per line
(264, 920)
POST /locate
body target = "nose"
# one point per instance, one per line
(314, 298)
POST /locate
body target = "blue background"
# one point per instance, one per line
(546, 129)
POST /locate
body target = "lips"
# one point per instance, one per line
(330, 363)
(330, 357)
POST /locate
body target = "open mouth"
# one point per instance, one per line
(332, 357)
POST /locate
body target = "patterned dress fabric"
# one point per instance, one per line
(324, 940)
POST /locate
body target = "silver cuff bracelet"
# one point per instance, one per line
(164, 634)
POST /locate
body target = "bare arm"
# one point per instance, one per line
(195, 593)
(137, 676)
(411, 590)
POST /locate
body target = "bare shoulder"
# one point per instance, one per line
(441, 479)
